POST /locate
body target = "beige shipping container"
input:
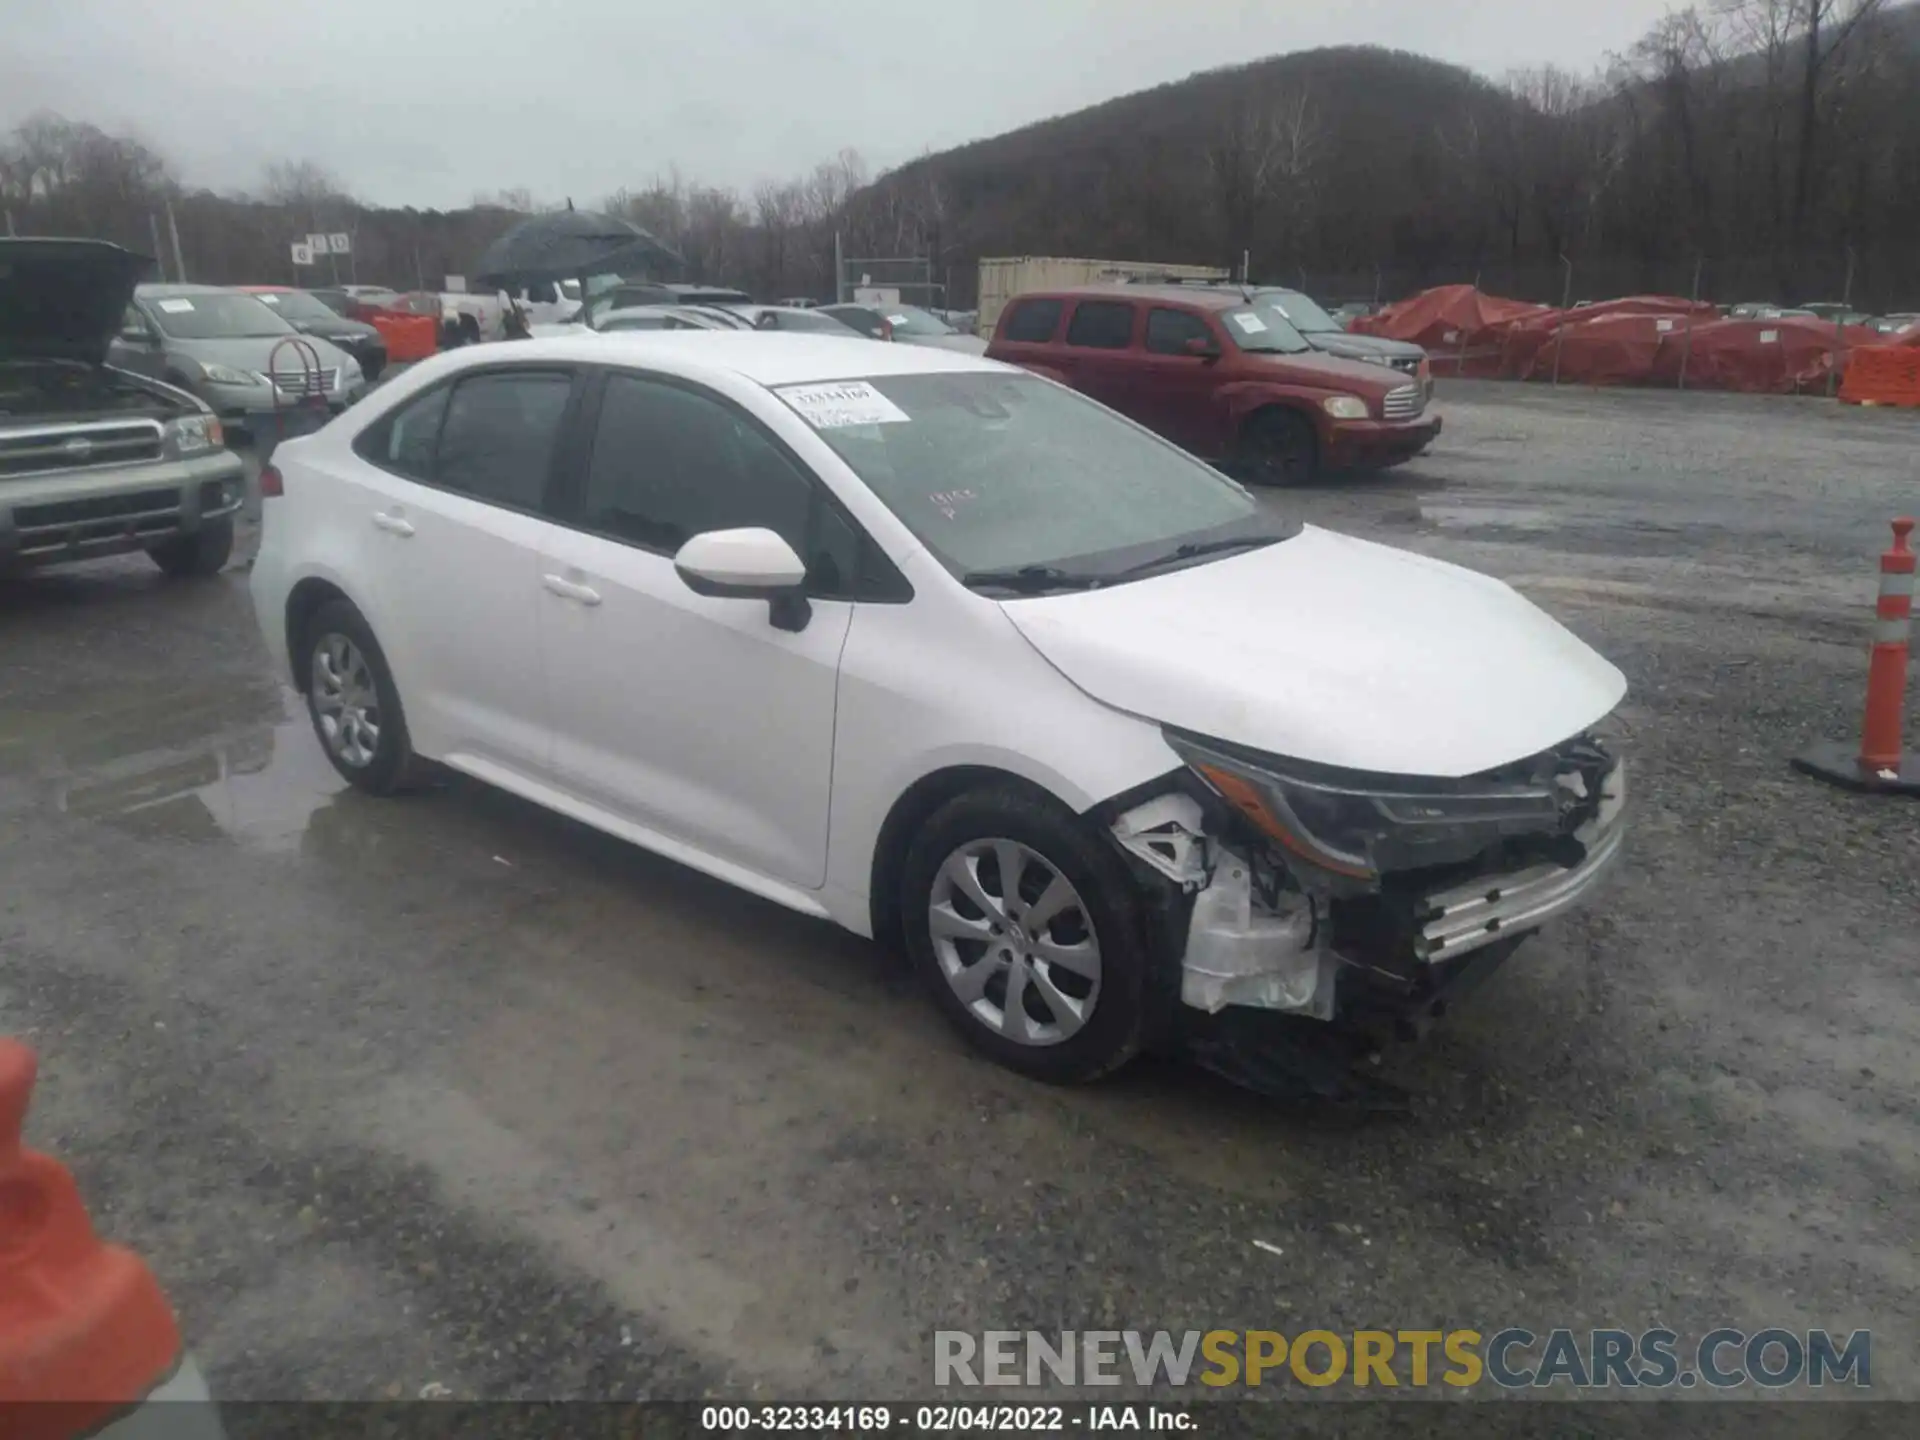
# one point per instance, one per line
(1004, 277)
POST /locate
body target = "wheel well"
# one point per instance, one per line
(1280, 407)
(307, 598)
(912, 810)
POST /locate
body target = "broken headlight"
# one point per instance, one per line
(1358, 825)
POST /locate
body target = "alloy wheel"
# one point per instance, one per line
(1015, 940)
(346, 701)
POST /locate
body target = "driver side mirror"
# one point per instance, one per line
(1202, 347)
(748, 564)
(134, 333)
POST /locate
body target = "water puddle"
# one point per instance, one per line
(168, 771)
(1489, 517)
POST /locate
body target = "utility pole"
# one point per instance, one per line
(179, 260)
(159, 251)
(839, 271)
(10, 222)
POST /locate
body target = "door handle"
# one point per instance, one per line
(393, 524)
(570, 590)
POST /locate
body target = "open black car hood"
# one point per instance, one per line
(64, 299)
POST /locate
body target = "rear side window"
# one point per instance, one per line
(411, 435)
(1168, 331)
(1032, 322)
(498, 438)
(1101, 325)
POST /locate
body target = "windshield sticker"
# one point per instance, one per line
(842, 403)
(948, 502)
(1250, 323)
(175, 307)
(1769, 337)
(1663, 326)
(268, 299)
(896, 319)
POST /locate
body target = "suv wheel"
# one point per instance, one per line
(353, 703)
(204, 552)
(1278, 447)
(1026, 930)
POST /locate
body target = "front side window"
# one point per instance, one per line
(1032, 321)
(995, 472)
(1169, 331)
(1101, 325)
(497, 441)
(670, 463)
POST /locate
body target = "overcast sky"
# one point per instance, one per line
(427, 102)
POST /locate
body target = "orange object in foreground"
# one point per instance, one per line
(85, 1333)
(1880, 765)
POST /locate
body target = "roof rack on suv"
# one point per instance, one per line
(1204, 281)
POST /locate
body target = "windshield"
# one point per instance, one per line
(995, 472)
(295, 305)
(215, 316)
(1264, 329)
(1307, 317)
(912, 320)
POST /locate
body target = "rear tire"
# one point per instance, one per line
(204, 552)
(354, 704)
(1279, 447)
(1044, 972)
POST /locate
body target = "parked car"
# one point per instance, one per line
(1327, 335)
(906, 324)
(1227, 378)
(219, 344)
(787, 317)
(1895, 324)
(647, 317)
(96, 460)
(1836, 311)
(354, 301)
(949, 655)
(629, 294)
(1345, 315)
(309, 316)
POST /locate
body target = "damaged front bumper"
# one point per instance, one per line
(1267, 931)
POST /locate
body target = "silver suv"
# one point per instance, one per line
(95, 460)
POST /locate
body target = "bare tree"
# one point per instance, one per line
(1266, 149)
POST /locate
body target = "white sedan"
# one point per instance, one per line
(949, 655)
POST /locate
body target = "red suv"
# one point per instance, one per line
(1225, 376)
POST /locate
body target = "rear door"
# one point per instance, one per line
(452, 498)
(1097, 356)
(1175, 393)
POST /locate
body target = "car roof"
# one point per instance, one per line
(1204, 297)
(160, 290)
(767, 358)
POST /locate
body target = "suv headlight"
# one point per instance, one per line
(1357, 825)
(194, 434)
(1345, 407)
(227, 375)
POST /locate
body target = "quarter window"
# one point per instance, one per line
(1032, 321)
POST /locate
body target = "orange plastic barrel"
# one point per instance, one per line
(85, 1333)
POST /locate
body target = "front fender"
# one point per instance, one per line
(1244, 397)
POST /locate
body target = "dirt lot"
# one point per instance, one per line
(449, 1091)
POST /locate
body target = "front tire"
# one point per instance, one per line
(197, 555)
(1279, 447)
(353, 703)
(1028, 932)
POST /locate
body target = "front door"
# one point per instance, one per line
(1175, 393)
(450, 500)
(692, 716)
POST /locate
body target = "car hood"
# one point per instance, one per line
(1363, 347)
(339, 328)
(63, 299)
(252, 352)
(1333, 650)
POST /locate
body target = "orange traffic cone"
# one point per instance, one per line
(86, 1337)
(1880, 764)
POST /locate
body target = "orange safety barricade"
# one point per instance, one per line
(408, 337)
(85, 1334)
(1883, 375)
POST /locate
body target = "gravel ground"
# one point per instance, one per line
(448, 1091)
